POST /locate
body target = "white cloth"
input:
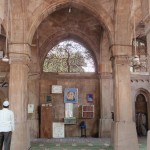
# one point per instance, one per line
(6, 120)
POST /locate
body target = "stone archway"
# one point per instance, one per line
(99, 13)
(146, 95)
(56, 28)
(51, 38)
(79, 38)
(141, 115)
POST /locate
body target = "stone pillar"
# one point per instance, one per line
(106, 100)
(146, 19)
(148, 58)
(33, 94)
(18, 96)
(147, 31)
(148, 140)
(124, 130)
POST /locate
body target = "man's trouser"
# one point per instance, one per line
(5, 140)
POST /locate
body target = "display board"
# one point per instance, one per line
(71, 120)
(56, 89)
(58, 130)
(87, 111)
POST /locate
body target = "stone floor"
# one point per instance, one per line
(77, 144)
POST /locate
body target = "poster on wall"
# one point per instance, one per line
(30, 108)
(90, 98)
(71, 95)
(56, 89)
(48, 99)
(58, 130)
(68, 110)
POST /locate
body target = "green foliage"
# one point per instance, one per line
(66, 57)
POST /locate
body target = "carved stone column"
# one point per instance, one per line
(146, 19)
(147, 31)
(18, 95)
(124, 130)
(106, 100)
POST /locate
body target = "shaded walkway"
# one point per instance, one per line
(77, 144)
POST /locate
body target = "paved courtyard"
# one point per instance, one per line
(77, 144)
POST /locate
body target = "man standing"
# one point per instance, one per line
(6, 126)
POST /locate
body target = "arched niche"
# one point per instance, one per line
(68, 49)
(74, 37)
(142, 105)
(79, 25)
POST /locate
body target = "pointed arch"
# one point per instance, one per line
(146, 94)
(69, 56)
(143, 92)
(76, 36)
(102, 16)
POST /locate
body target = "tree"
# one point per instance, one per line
(66, 57)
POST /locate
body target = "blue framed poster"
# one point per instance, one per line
(90, 98)
(71, 95)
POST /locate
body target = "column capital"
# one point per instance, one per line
(105, 70)
(19, 58)
(124, 59)
(20, 48)
(121, 50)
(19, 53)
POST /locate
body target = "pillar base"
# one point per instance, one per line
(20, 137)
(125, 136)
(105, 127)
(33, 128)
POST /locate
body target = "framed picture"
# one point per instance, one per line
(87, 111)
(90, 98)
(48, 99)
(30, 108)
(56, 89)
(68, 110)
(71, 95)
(58, 130)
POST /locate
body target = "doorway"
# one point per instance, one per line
(141, 115)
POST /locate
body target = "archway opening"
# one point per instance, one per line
(141, 115)
(85, 30)
(70, 57)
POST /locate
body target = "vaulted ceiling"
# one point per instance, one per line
(72, 22)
